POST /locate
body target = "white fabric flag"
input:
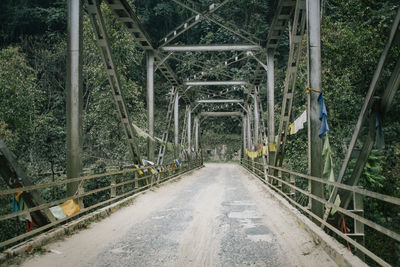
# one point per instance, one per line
(299, 122)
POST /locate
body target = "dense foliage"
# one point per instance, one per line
(33, 72)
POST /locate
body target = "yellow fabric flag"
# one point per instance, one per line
(271, 147)
(252, 154)
(265, 150)
(153, 171)
(17, 195)
(291, 129)
(70, 207)
(139, 170)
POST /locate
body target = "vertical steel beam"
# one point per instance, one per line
(74, 96)
(256, 117)
(189, 125)
(176, 122)
(150, 103)
(196, 133)
(314, 40)
(248, 124)
(244, 125)
(163, 145)
(270, 104)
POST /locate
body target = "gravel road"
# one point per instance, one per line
(216, 216)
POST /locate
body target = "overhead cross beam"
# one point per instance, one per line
(220, 114)
(209, 48)
(212, 101)
(208, 83)
(220, 22)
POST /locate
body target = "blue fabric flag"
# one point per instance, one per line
(323, 115)
(14, 205)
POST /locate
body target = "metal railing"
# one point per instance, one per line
(284, 182)
(112, 186)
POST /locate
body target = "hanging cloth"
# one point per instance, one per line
(328, 170)
(323, 115)
(299, 122)
(328, 163)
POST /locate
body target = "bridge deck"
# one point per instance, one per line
(217, 216)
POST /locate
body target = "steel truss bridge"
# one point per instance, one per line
(302, 18)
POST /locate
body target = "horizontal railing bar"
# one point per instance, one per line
(338, 232)
(78, 179)
(371, 224)
(47, 226)
(56, 202)
(367, 222)
(15, 239)
(40, 229)
(355, 189)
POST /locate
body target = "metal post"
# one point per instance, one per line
(314, 31)
(176, 122)
(359, 234)
(244, 125)
(196, 133)
(271, 117)
(256, 117)
(74, 97)
(189, 127)
(248, 124)
(150, 103)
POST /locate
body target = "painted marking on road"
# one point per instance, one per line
(260, 238)
(246, 214)
(240, 203)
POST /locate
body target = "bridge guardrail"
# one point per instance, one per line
(130, 182)
(287, 188)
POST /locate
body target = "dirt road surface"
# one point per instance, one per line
(216, 216)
